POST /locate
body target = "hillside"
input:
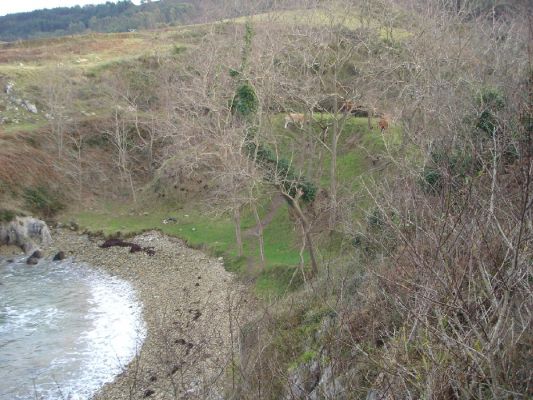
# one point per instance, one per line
(364, 170)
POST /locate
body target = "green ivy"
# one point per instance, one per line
(279, 167)
(245, 102)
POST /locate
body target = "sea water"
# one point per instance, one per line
(65, 329)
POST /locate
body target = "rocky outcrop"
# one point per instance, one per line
(35, 257)
(30, 107)
(27, 233)
(316, 378)
(9, 87)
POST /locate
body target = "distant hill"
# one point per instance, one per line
(109, 17)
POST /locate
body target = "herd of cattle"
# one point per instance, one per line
(347, 107)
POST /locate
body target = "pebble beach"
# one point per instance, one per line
(188, 300)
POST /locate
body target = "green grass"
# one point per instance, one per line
(277, 280)
(24, 126)
(214, 234)
(357, 148)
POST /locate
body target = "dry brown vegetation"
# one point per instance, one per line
(57, 49)
(22, 165)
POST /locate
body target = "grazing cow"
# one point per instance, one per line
(295, 118)
(348, 106)
(383, 124)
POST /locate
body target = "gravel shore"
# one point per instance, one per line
(188, 300)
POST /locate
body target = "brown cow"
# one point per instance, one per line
(295, 118)
(383, 124)
(348, 106)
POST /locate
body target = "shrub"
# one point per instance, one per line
(6, 215)
(178, 49)
(245, 101)
(457, 163)
(490, 101)
(278, 169)
(431, 180)
(42, 201)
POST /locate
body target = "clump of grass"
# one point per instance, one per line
(178, 49)
(6, 215)
(276, 280)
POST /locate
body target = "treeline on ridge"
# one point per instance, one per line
(109, 17)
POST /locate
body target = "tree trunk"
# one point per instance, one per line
(260, 235)
(294, 204)
(132, 187)
(238, 234)
(333, 166)
(333, 180)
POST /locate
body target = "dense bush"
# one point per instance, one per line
(245, 101)
(279, 171)
(451, 167)
(42, 200)
(490, 101)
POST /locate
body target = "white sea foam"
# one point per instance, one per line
(116, 335)
(65, 330)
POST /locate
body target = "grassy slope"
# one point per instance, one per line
(89, 56)
(314, 17)
(80, 60)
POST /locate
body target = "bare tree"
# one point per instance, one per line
(58, 96)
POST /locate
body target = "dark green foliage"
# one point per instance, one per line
(432, 179)
(376, 220)
(487, 122)
(178, 49)
(97, 141)
(490, 101)
(41, 200)
(278, 170)
(456, 164)
(234, 73)
(245, 102)
(109, 17)
(247, 48)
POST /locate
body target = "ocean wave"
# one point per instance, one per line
(91, 330)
